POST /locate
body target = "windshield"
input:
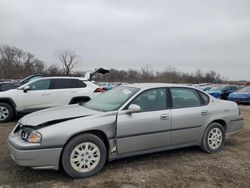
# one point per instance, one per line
(217, 88)
(34, 78)
(29, 79)
(245, 89)
(111, 100)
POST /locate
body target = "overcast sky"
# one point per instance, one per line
(123, 34)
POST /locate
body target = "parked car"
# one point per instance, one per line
(207, 88)
(201, 85)
(4, 86)
(241, 96)
(222, 91)
(45, 93)
(125, 121)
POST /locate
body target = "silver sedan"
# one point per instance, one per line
(126, 121)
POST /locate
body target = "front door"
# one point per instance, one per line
(37, 97)
(148, 129)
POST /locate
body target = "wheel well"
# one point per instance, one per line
(97, 133)
(222, 122)
(8, 101)
(85, 99)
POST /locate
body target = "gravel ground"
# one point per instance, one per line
(189, 167)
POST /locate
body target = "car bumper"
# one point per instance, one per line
(235, 126)
(36, 158)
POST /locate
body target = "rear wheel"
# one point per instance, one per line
(214, 138)
(6, 112)
(84, 155)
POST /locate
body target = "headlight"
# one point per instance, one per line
(32, 136)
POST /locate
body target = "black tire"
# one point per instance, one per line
(74, 143)
(205, 143)
(11, 113)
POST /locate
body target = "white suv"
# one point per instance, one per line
(44, 93)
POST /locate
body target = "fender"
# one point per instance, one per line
(4, 99)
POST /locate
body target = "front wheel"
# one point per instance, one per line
(84, 155)
(6, 112)
(213, 138)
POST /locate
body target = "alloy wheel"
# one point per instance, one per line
(85, 157)
(4, 113)
(215, 138)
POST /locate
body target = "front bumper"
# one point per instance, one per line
(235, 126)
(36, 158)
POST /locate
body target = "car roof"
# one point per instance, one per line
(63, 77)
(154, 85)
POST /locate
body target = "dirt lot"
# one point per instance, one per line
(189, 167)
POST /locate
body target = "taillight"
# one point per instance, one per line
(239, 110)
(99, 89)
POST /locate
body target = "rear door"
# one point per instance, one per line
(189, 113)
(63, 90)
(148, 129)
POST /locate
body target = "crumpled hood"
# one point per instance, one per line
(57, 114)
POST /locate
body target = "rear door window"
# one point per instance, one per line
(61, 84)
(67, 84)
(185, 97)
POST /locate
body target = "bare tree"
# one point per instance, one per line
(68, 59)
(15, 63)
(53, 70)
(147, 74)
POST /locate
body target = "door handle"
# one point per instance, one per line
(164, 116)
(45, 94)
(204, 112)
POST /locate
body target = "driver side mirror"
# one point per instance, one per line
(134, 108)
(26, 88)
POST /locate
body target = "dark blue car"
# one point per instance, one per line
(241, 96)
(222, 91)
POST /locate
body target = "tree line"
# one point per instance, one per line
(16, 63)
(168, 75)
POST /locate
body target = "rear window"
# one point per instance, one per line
(233, 88)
